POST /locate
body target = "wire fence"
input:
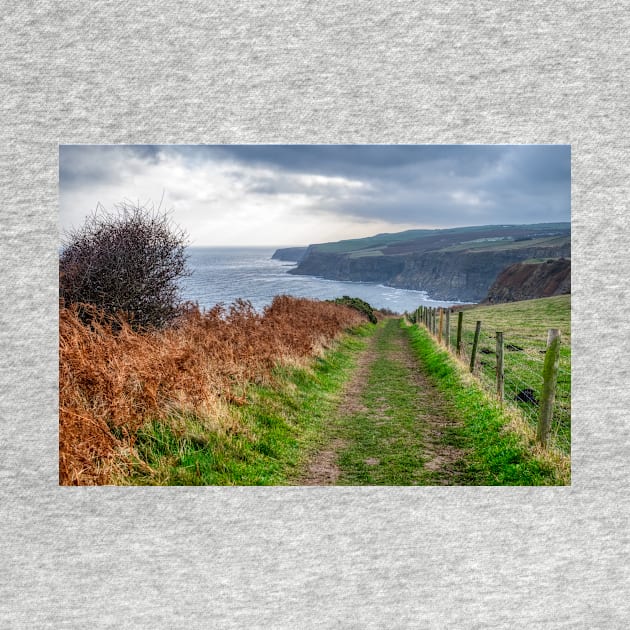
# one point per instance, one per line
(509, 363)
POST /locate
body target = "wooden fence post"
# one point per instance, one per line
(500, 371)
(460, 321)
(447, 332)
(550, 379)
(440, 325)
(473, 354)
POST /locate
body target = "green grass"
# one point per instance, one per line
(501, 245)
(270, 439)
(524, 325)
(275, 431)
(380, 241)
(527, 319)
(385, 440)
(370, 242)
(498, 456)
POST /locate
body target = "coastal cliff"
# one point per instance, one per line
(531, 280)
(458, 264)
(354, 269)
(465, 276)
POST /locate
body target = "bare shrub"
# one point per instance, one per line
(126, 261)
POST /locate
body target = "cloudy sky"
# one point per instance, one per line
(299, 194)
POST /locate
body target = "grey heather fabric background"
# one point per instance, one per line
(326, 72)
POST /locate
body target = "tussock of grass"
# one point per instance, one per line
(503, 449)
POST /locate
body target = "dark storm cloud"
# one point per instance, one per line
(85, 165)
(441, 185)
(363, 160)
(414, 184)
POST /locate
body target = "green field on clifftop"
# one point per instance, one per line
(524, 326)
(478, 238)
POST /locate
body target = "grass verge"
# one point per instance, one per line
(503, 450)
(271, 435)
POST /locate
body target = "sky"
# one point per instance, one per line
(284, 195)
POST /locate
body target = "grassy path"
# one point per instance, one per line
(365, 409)
(384, 405)
(392, 426)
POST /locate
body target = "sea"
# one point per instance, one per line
(224, 274)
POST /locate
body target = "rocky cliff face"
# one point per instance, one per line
(459, 276)
(527, 281)
(465, 276)
(344, 267)
(458, 264)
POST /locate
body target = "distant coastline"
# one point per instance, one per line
(458, 264)
(290, 254)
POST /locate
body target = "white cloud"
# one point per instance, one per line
(219, 202)
(466, 198)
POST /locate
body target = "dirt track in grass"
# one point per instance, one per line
(392, 426)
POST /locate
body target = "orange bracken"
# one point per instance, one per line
(113, 379)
